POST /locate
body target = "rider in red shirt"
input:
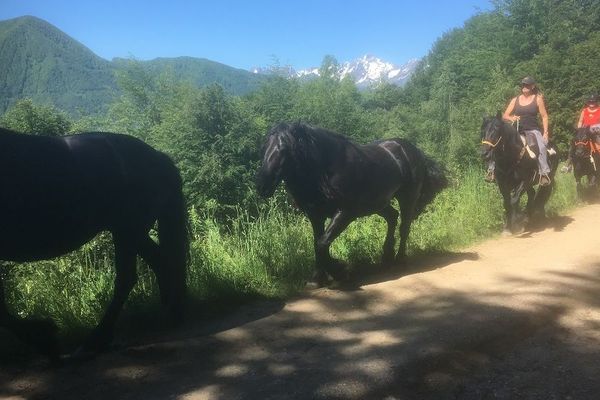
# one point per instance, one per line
(590, 116)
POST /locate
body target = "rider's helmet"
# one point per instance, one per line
(593, 99)
(528, 80)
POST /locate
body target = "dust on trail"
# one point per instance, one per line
(511, 318)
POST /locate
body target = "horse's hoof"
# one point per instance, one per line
(318, 280)
(338, 271)
(506, 233)
(400, 260)
(347, 285)
(313, 285)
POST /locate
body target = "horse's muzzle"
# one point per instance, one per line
(485, 152)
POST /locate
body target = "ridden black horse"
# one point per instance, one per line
(329, 176)
(57, 193)
(516, 171)
(586, 158)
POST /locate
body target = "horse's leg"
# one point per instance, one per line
(390, 215)
(126, 276)
(320, 276)
(541, 198)
(408, 203)
(506, 203)
(339, 222)
(40, 334)
(515, 198)
(150, 252)
(530, 207)
(4, 314)
(579, 187)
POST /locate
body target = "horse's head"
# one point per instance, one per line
(582, 142)
(491, 135)
(276, 154)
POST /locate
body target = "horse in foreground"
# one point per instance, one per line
(329, 176)
(516, 170)
(57, 193)
(586, 159)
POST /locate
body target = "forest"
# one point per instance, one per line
(244, 247)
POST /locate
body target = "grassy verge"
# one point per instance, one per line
(270, 256)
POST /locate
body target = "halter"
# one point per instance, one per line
(593, 149)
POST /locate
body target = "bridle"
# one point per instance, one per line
(490, 143)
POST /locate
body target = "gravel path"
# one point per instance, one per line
(511, 318)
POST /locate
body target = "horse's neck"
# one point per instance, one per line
(308, 177)
(512, 144)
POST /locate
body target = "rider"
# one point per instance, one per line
(589, 116)
(523, 110)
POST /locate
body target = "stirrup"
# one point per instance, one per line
(544, 180)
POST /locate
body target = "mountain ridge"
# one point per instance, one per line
(41, 62)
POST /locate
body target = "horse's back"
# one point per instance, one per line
(59, 192)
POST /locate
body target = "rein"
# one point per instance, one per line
(490, 143)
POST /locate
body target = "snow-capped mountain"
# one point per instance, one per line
(366, 71)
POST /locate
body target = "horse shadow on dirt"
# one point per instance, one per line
(555, 222)
(369, 273)
(446, 343)
(148, 326)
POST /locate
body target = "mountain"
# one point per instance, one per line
(365, 71)
(369, 70)
(39, 61)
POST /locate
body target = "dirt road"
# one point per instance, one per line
(512, 318)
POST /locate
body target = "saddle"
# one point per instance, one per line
(531, 147)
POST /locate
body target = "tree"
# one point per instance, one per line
(26, 117)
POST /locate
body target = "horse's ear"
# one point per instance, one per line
(498, 114)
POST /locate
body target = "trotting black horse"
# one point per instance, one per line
(586, 158)
(516, 171)
(331, 177)
(57, 193)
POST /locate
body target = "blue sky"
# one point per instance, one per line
(245, 34)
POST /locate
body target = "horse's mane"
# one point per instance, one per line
(311, 149)
(309, 144)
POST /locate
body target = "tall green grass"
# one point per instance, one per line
(268, 256)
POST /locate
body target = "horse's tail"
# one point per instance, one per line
(434, 181)
(173, 235)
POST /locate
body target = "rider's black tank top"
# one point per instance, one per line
(528, 114)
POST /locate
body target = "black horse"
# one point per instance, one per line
(516, 170)
(586, 159)
(331, 177)
(57, 193)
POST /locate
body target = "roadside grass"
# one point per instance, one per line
(269, 256)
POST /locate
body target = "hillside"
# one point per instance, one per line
(39, 61)
(201, 72)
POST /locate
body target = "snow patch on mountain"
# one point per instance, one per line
(366, 71)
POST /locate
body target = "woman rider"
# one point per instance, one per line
(524, 110)
(589, 117)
